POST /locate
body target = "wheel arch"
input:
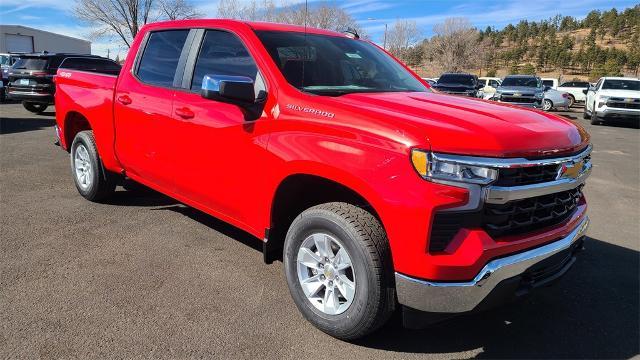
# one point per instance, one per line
(74, 122)
(290, 199)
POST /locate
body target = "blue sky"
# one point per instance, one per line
(55, 15)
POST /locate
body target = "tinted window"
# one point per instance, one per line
(521, 81)
(93, 65)
(333, 65)
(222, 53)
(457, 79)
(494, 83)
(31, 63)
(160, 58)
(581, 84)
(547, 83)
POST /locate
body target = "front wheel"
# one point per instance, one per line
(35, 108)
(547, 105)
(339, 271)
(93, 182)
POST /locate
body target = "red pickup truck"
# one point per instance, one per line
(376, 192)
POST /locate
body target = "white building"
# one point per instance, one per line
(18, 38)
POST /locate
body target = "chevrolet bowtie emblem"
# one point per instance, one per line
(516, 94)
(570, 170)
(628, 100)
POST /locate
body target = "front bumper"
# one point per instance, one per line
(459, 297)
(608, 113)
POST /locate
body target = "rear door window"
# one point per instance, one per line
(27, 63)
(160, 58)
(222, 53)
(494, 83)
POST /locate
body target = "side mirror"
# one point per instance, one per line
(232, 89)
(585, 91)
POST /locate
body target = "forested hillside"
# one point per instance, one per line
(603, 43)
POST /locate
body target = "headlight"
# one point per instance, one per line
(602, 100)
(431, 168)
(539, 95)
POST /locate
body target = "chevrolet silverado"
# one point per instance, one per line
(376, 193)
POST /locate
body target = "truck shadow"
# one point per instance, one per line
(592, 312)
(18, 125)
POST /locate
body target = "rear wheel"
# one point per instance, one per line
(339, 271)
(572, 101)
(90, 177)
(35, 108)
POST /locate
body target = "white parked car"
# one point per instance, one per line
(574, 89)
(550, 82)
(490, 84)
(613, 98)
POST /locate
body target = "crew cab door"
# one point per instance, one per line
(144, 106)
(222, 153)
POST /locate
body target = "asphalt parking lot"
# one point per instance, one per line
(144, 276)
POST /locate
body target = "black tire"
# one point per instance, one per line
(547, 103)
(572, 101)
(36, 108)
(366, 242)
(585, 114)
(595, 120)
(102, 183)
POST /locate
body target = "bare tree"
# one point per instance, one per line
(178, 9)
(323, 16)
(124, 18)
(402, 36)
(452, 48)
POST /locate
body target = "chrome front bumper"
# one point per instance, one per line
(458, 297)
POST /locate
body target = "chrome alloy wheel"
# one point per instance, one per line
(325, 274)
(547, 105)
(82, 167)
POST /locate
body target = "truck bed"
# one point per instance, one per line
(90, 94)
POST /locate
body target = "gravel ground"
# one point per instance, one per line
(144, 276)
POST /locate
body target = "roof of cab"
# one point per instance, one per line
(255, 25)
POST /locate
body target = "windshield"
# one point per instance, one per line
(31, 64)
(521, 81)
(456, 79)
(5, 60)
(621, 85)
(331, 65)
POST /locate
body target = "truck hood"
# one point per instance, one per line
(467, 126)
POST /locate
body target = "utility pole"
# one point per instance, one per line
(384, 45)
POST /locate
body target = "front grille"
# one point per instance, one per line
(498, 220)
(518, 99)
(620, 103)
(521, 216)
(526, 175)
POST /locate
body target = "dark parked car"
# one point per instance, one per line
(31, 77)
(458, 84)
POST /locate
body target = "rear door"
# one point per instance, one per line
(143, 108)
